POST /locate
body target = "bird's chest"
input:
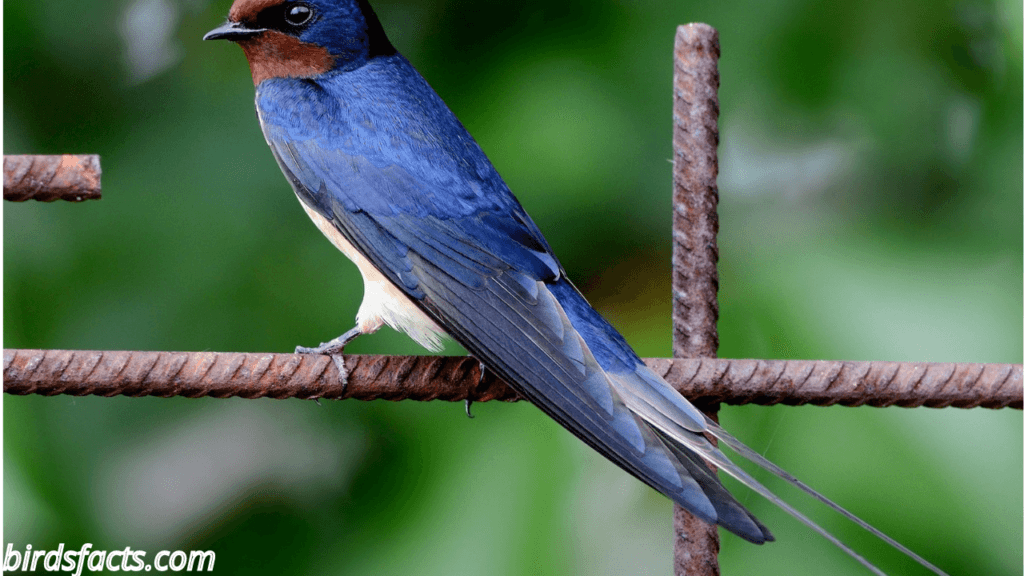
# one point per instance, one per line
(383, 302)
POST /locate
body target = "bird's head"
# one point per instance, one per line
(304, 38)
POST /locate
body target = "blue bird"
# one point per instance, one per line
(389, 174)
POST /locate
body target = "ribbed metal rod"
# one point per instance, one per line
(247, 375)
(456, 378)
(695, 247)
(71, 177)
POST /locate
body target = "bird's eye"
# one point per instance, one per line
(298, 14)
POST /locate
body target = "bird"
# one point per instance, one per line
(393, 179)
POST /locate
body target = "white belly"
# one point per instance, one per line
(383, 303)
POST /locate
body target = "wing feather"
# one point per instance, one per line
(473, 260)
(424, 205)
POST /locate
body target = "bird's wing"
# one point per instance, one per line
(473, 260)
(423, 204)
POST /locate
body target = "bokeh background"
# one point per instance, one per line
(871, 208)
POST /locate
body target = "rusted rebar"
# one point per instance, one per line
(71, 177)
(247, 375)
(457, 378)
(694, 247)
(829, 382)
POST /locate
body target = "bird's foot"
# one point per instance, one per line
(334, 349)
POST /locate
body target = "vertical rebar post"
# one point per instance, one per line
(695, 249)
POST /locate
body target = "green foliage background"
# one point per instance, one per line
(871, 208)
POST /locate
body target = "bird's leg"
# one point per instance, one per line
(334, 349)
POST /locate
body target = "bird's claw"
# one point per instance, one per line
(469, 401)
(334, 349)
(339, 363)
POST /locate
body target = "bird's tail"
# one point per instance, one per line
(681, 428)
(684, 441)
(735, 471)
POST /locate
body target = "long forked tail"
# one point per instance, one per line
(682, 428)
(735, 471)
(671, 417)
(653, 400)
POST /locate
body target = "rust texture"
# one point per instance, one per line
(71, 177)
(694, 246)
(247, 375)
(457, 378)
(829, 382)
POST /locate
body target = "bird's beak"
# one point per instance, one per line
(233, 31)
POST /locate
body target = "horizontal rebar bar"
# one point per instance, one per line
(454, 378)
(71, 177)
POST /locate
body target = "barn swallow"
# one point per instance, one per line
(389, 174)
